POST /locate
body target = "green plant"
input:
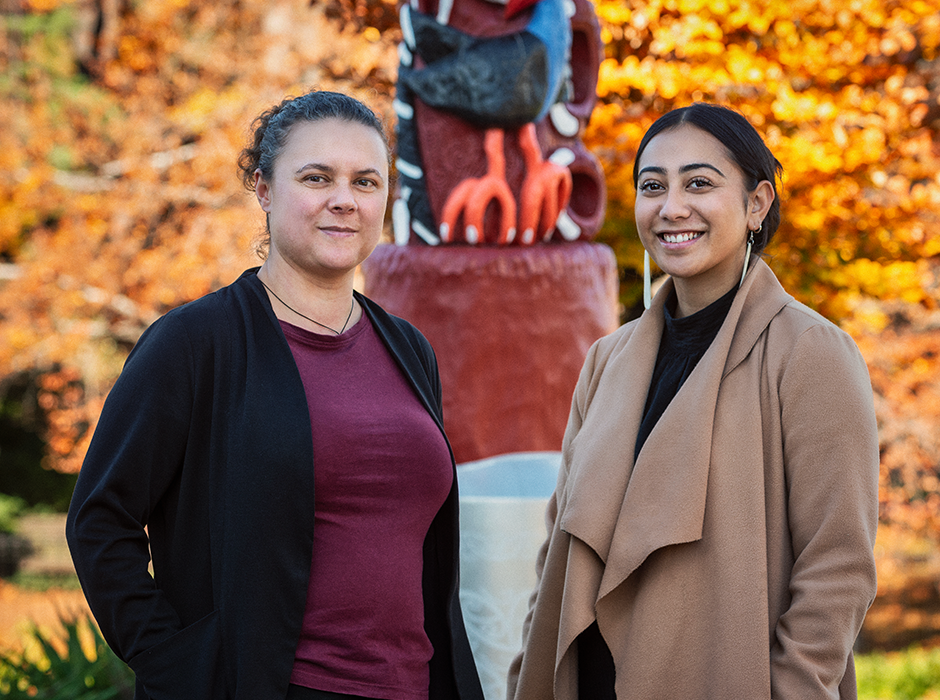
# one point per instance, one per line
(10, 508)
(82, 672)
(913, 674)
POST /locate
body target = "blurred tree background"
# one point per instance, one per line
(119, 197)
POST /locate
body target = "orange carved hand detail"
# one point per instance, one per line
(472, 196)
(546, 190)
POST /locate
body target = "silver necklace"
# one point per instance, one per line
(322, 325)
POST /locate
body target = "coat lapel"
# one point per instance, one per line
(601, 454)
(626, 511)
(765, 299)
(664, 503)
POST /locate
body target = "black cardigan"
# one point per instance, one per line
(205, 440)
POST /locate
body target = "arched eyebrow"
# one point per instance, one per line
(329, 170)
(314, 166)
(697, 166)
(684, 169)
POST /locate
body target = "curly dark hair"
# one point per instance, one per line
(272, 127)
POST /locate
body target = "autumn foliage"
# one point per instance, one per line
(845, 94)
(119, 197)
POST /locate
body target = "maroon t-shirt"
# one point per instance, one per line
(382, 470)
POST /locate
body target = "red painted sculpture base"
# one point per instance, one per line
(510, 326)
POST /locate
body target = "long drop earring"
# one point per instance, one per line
(647, 281)
(747, 252)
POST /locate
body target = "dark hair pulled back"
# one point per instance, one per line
(271, 129)
(742, 142)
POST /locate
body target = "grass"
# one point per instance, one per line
(913, 674)
(41, 582)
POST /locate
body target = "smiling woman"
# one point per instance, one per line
(325, 210)
(697, 208)
(276, 449)
(711, 534)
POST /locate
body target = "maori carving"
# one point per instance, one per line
(491, 101)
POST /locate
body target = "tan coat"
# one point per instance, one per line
(734, 560)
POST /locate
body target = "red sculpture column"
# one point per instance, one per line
(511, 327)
(497, 201)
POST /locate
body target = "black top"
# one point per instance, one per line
(206, 440)
(683, 344)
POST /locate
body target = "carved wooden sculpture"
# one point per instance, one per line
(497, 202)
(491, 100)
